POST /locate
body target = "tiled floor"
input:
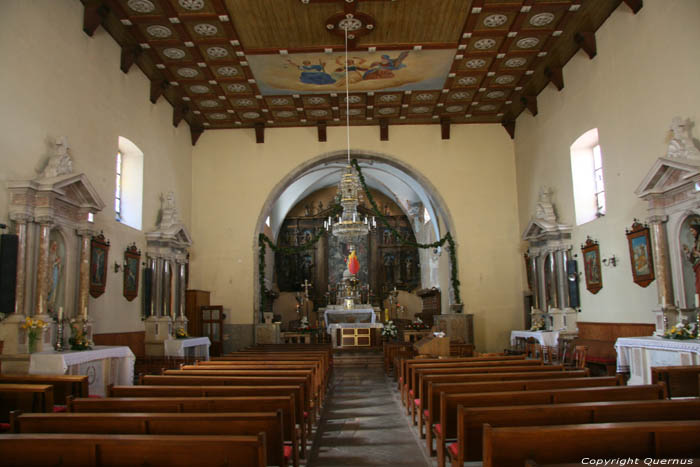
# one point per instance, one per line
(364, 424)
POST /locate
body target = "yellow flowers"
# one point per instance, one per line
(31, 323)
(180, 333)
(679, 331)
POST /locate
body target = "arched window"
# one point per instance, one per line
(128, 193)
(587, 175)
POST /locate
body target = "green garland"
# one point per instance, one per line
(263, 240)
(447, 238)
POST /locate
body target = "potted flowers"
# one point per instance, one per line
(538, 325)
(78, 339)
(680, 331)
(389, 331)
(34, 327)
(180, 333)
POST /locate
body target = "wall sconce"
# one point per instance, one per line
(612, 261)
(117, 266)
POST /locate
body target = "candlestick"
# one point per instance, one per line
(60, 313)
(663, 301)
(59, 332)
(697, 299)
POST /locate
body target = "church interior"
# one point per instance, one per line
(374, 204)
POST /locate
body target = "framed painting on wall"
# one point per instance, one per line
(639, 241)
(99, 251)
(132, 258)
(591, 265)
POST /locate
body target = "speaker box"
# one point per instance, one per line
(8, 272)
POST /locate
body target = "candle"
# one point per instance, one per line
(697, 299)
(85, 313)
(663, 301)
(60, 313)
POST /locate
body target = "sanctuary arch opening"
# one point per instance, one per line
(392, 278)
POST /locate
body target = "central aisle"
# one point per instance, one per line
(363, 424)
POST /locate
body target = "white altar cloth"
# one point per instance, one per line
(637, 355)
(545, 338)
(191, 346)
(104, 365)
(353, 316)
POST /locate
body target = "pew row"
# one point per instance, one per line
(470, 420)
(512, 446)
(429, 415)
(25, 397)
(270, 423)
(446, 425)
(131, 450)
(199, 404)
(63, 385)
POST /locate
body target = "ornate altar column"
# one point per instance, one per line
(541, 283)
(21, 221)
(84, 278)
(158, 287)
(535, 282)
(180, 286)
(659, 242)
(560, 266)
(42, 270)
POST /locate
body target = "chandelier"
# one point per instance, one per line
(350, 226)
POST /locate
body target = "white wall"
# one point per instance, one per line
(58, 81)
(646, 72)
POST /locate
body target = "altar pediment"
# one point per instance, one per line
(542, 229)
(667, 175)
(175, 234)
(69, 195)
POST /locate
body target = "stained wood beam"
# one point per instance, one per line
(157, 89)
(586, 40)
(509, 125)
(531, 103)
(195, 133)
(383, 129)
(635, 5)
(322, 137)
(95, 12)
(179, 112)
(129, 55)
(259, 133)
(555, 74)
(445, 127)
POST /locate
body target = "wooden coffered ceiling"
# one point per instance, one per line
(280, 63)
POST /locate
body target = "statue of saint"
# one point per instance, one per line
(681, 144)
(60, 162)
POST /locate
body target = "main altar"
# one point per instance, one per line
(352, 327)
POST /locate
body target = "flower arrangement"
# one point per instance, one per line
(78, 339)
(304, 323)
(418, 324)
(34, 329)
(538, 325)
(389, 329)
(680, 331)
(180, 333)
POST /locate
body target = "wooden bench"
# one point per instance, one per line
(413, 371)
(404, 363)
(220, 391)
(470, 420)
(197, 380)
(198, 404)
(512, 446)
(63, 385)
(429, 416)
(270, 423)
(25, 397)
(446, 425)
(316, 364)
(132, 450)
(682, 381)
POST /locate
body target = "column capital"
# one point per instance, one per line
(658, 219)
(48, 221)
(86, 232)
(21, 217)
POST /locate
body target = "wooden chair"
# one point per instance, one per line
(579, 357)
(533, 349)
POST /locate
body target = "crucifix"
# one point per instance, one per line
(306, 286)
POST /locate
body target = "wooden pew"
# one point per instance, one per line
(63, 385)
(316, 364)
(219, 391)
(446, 425)
(403, 364)
(25, 397)
(435, 388)
(270, 423)
(198, 404)
(413, 394)
(470, 420)
(682, 381)
(201, 380)
(512, 446)
(413, 371)
(132, 450)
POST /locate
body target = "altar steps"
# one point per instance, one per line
(352, 359)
